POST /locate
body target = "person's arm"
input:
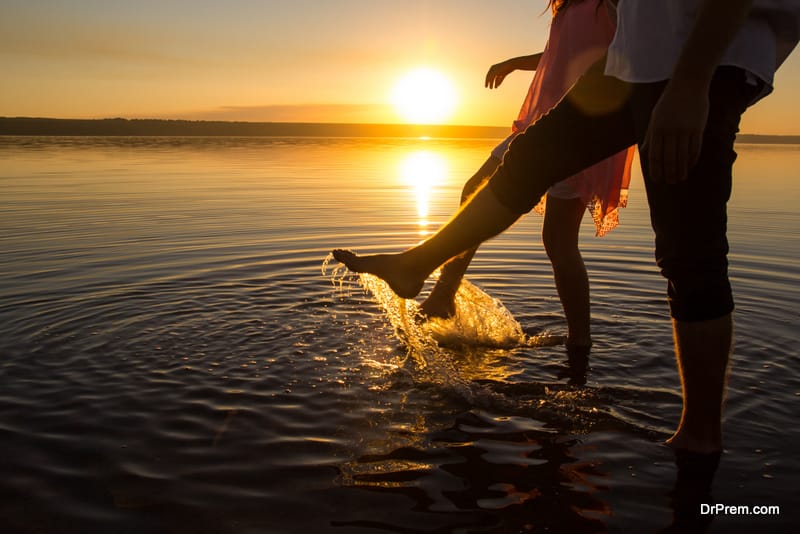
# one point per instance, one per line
(675, 134)
(498, 72)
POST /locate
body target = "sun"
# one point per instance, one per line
(424, 96)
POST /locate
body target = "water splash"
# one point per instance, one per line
(449, 353)
(480, 321)
(338, 273)
(473, 357)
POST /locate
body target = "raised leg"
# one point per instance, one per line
(479, 219)
(591, 123)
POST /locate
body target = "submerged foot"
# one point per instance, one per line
(401, 277)
(438, 305)
(693, 486)
(577, 367)
(706, 444)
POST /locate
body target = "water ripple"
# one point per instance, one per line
(174, 360)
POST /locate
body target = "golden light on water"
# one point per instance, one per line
(423, 170)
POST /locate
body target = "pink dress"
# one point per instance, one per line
(579, 36)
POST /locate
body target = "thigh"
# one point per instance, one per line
(562, 222)
(562, 190)
(591, 123)
(690, 218)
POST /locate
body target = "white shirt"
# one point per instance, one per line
(651, 34)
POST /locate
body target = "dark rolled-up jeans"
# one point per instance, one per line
(602, 115)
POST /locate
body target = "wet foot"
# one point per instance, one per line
(577, 366)
(438, 305)
(402, 278)
(693, 485)
(681, 441)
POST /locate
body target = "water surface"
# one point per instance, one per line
(175, 359)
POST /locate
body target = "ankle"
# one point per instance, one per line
(445, 289)
(706, 443)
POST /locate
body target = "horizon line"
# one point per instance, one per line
(240, 121)
(415, 127)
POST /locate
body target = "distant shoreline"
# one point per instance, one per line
(34, 126)
(164, 127)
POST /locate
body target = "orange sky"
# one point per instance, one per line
(280, 60)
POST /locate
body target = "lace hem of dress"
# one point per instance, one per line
(604, 214)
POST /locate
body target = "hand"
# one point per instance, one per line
(497, 73)
(675, 134)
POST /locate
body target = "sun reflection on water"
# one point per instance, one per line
(423, 170)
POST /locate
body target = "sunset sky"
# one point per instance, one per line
(281, 60)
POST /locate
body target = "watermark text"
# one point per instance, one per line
(724, 509)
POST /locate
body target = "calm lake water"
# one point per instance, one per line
(174, 357)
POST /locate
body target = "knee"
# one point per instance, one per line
(692, 248)
(473, 184)
(698, 292)
(550, 242)
(559, 246)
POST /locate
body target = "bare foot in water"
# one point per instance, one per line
(439, 304)
(703, 445)
(402, 278)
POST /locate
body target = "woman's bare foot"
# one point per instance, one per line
(439, 304)
(402, 277)
(707, 444)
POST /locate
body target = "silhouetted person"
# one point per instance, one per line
(579, 35)
(677, 78)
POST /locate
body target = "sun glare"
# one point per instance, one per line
(423, 170)
(424, 96)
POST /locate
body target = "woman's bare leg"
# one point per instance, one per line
(560, 233)
(441, 300)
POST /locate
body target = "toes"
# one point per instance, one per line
(340, 253)
(347, 257)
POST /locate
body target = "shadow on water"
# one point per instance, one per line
(471, 445)
(484, 471)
